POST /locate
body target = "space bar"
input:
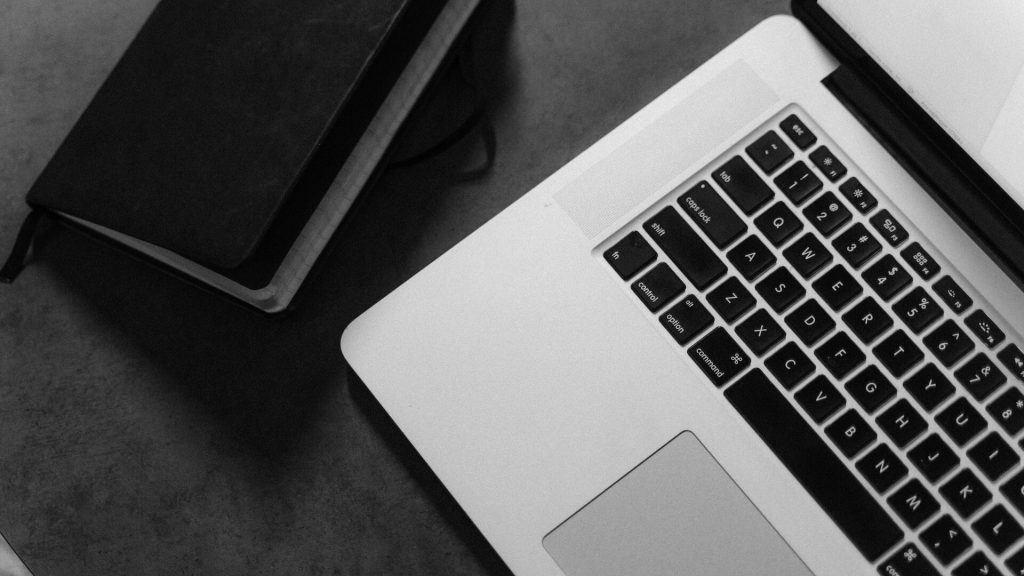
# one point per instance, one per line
(814, 464)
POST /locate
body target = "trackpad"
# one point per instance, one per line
(676, 513)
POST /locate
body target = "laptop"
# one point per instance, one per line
(769, 325)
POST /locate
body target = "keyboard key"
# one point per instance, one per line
(797, 182)
(789, 365)
(780, 289)
(901, 423)
(840, 355)
(913, 503)
(898, 353)
(984, 328)
(743, 185)
(917, 310)
(933, 457)
(810, 322)
(980, 376)
(1013, 489)
(807, 255)
(907, 561)
(886, 277)
(949, 343)
(882, 468)
(887, 226)
(920, 261)
(1015, 563)
(751, 257)
(857, 245)
(814, 464)
(965, 493)
(719, 356)
(798, 132)
(946, 539)
(977, 565)
(998, 529)
(837, 287)
(826, 213)
(1013, 359)
(858, 195)
(778, 223)
(850, 433)
(759, 332)
(1008, 410)
(711, 214)
(870, 389)
(993, 456)
(684, 248)
(961, 421)
(929, 387)
(657, 287)
(953, 295)
(686, 319)
(829, 165)
(820, 399)
(867, 320)
(629, 255)
(730, 299)
(769, 152)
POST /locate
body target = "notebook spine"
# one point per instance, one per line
(19, 253)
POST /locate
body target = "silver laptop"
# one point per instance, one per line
(770, 325)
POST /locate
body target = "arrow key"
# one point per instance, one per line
(946, 539)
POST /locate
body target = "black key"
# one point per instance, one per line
(829, 165)
(657, 287)
(1013, 359)
(826, 213)
(807, 255)
(867, 320)
(730, 299)
(751, 257)
(798, 182)
(810, 322)
(929, 386)
(789, 365)
(837, 287)
(920, 261)
(949, 343)
(961, 421)
(870, 389)
(815, 465)
(1013, 489)
(743, 185)
(913, 503)
(684, 248)
(769, 152)
(850, 433)
(933, 457)
(882, 468)
(984, 328)
(1015, 563)
(917, 309)
(965, 493)
(886, 277)
(686, 319)
(759, 332)
(980, 376)
(946, 539)
(887, 226)
(998, 529)
(902, 423)
(780, 289)
(898, 353)
(798, 132)
(629, 255)
(820, 399)
(993, 456)
(719, 356)
(977, 565)
(778, 223)
(858, 195)
(1008, 410)
(711, 214)
(857, 245)
(840, 355)
(952, 294)
(907, 561)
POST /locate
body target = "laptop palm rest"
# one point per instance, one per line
(676, 513)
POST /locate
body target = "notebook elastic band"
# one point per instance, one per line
(16, 260)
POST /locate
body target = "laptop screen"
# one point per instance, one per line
(963, 62)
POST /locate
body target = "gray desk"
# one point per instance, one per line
(148, 427)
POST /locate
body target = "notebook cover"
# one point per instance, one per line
(206, 124)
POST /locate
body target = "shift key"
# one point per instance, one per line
(685, 248)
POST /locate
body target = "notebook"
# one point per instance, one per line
(769, 325)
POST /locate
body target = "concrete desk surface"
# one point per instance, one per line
(150, 427)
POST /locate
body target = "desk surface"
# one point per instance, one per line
(148, 427)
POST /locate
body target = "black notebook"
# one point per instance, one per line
(233, 135)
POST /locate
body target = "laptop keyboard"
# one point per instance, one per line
(867, 365)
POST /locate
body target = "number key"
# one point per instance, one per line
(917, 309)
(856, 245)
(949, 343)
(826, 213)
